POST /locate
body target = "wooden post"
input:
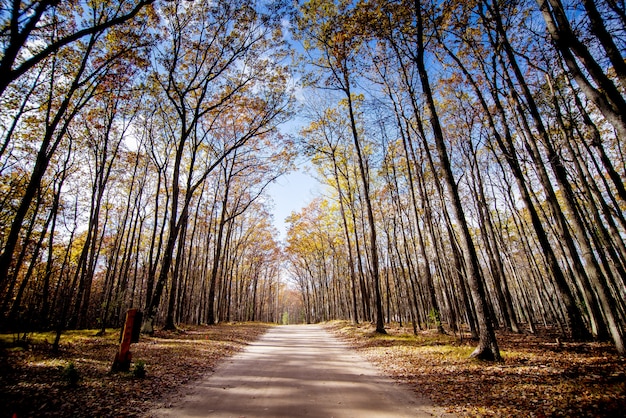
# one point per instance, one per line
(124, 356)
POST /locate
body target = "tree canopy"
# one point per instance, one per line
(472, 157)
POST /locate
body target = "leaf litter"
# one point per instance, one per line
(539, 377)
(32, 383)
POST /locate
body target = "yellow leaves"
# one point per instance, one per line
(307, 228)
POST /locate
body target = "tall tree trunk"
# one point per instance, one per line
(592, 272)
(153, 303)
(217, 253)
(487, 344)
(346, 229)
(503, 295)
(170, 320)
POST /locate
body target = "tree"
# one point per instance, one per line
(84, 65)
(326, 28)
(605, 94)
(324, 138)
(213, 70)
(26, 24)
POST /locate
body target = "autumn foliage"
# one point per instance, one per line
(471, 156)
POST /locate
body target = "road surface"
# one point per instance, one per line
(297, 371)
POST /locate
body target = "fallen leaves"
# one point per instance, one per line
(536, 379)
(31, 382)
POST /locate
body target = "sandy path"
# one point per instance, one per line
(298, 371)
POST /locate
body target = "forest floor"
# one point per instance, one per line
(34, 382)
(538, 377)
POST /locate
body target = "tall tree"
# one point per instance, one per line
(84, 65)
(324, 139)
(213, 66)
(327, 30)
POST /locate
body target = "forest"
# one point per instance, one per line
(472, 157)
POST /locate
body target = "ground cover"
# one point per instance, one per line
(35, 382)
(539, 377)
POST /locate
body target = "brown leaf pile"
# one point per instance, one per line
(539, 376)
(32, 384)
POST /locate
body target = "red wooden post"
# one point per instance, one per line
(123, 356)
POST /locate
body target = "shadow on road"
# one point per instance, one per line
(298, 371)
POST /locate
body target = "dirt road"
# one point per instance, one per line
(298, 371)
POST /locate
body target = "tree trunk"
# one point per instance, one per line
(487, 344)
(380, 323)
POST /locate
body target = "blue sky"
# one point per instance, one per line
(295, 190)
(291, 193)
